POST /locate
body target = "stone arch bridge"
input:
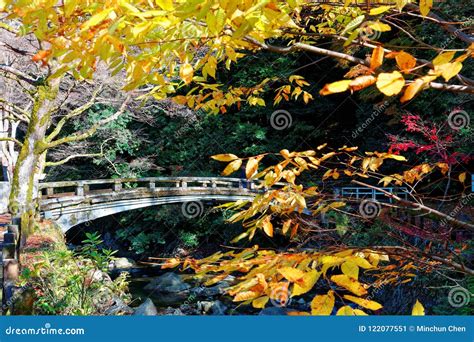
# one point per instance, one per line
(70, 203)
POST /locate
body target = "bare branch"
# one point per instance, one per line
(335, 54)
(441, 22)
(87, 133)
(73, 113)
(19, 75)
(419, 206)
(74, 156)
(16, 141)
(404, 251)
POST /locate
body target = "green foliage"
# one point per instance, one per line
(90, 250)
(189, 239)
(74, 283)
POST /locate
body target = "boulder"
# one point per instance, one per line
(204, 307)
(218, 289)
(146, 309)
(218, 308)
(118, 308)
(211, 307)
(172, 312)
(121, 264)
(169, 282)
(169, 289)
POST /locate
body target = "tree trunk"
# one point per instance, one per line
(29, 166)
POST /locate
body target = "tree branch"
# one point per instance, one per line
(20, 75)
(335, 54)
(419, 206)
(73, 113)
(407, 251)
(87, 133)
(16, 141)
(17, 111)
(441, 22)
(74, 156)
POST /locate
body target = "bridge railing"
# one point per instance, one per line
(82, 187)
(359, 193)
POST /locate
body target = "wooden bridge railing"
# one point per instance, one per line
(81, 187)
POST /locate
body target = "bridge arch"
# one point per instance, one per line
(74, 202)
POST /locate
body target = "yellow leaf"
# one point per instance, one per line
(359, 312)
(462, 177)
(291, 274)
(286, 226)
(224, 157)
(396, 157)
(443, 58)
(350, 269)
(425, 6)
(186, 73)
(449, 70)
(345, 311)
(386, 180)
(377, 58)
(390, 83)
(412, 90)
(166, 5)
(322, 305)
(443, 167)
(252, 166)
(268, 226)
(379, 10)
(378, 26)
(335, 87)
(245, 295)
(309, 280)
(361, 262)
(365, 303)
(362, 82)
(405, 61)
(418, 309)
(260, 303)
(349, 284)
(232, 167)
(401, 4)
(348, 311)
(171, 263)
(96, 19)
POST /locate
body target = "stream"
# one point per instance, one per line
(173, 293)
